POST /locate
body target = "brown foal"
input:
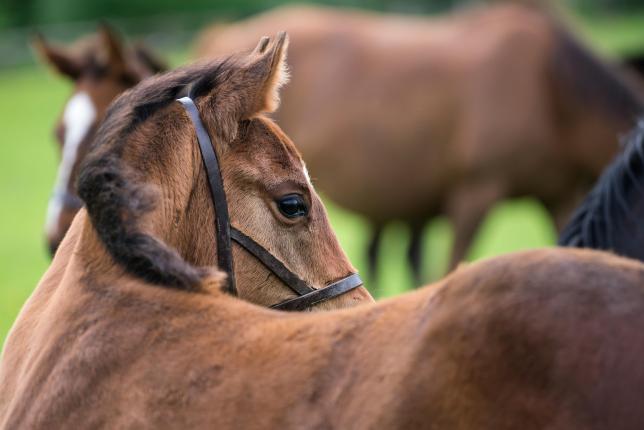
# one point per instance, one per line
(130, 328)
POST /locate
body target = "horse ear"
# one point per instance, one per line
(149, 62)
(113, 46)
(268, 73)
(248, 88)
(57, 57)
(261, 46)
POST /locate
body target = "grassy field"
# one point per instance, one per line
(32, 99)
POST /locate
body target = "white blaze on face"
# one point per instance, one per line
(306, 173)
(78, 117)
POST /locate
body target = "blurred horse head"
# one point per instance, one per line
(101, 68)
(482, 105)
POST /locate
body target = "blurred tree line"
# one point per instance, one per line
(18, 13)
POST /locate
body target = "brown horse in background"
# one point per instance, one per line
(129, 327)
(407, 118)
(101, 67)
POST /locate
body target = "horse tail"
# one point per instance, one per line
(592, 81)
(610, 216)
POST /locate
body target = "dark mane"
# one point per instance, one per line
(612, 216)
(114, 193)
(592, 80)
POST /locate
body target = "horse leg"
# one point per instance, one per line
(415, 252)
(467, 206)
(372, 251)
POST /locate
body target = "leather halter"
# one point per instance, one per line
(307, 295)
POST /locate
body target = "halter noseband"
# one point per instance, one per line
(308, 296)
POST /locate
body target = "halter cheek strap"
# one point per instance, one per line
(307, 295)
(217, 193)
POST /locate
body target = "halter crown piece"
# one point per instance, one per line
(226, 233)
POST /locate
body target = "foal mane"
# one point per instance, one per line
(115, 202)
(608, 209)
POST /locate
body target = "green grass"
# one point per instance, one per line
(511, 226)
(32, 99)
(614, 34)
(30, 102)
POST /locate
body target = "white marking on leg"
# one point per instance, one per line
(78, 117)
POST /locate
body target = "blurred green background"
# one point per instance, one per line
(31, 99)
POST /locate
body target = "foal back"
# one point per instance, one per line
(547, 339)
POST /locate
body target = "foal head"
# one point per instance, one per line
(100, 68)
(147, 195)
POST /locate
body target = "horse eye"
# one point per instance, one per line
(292, 206)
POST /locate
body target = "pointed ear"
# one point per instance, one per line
(243, 86)
(261, 46)
(149, 63)
(57, 57)
(113, 47)
(268, 73)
